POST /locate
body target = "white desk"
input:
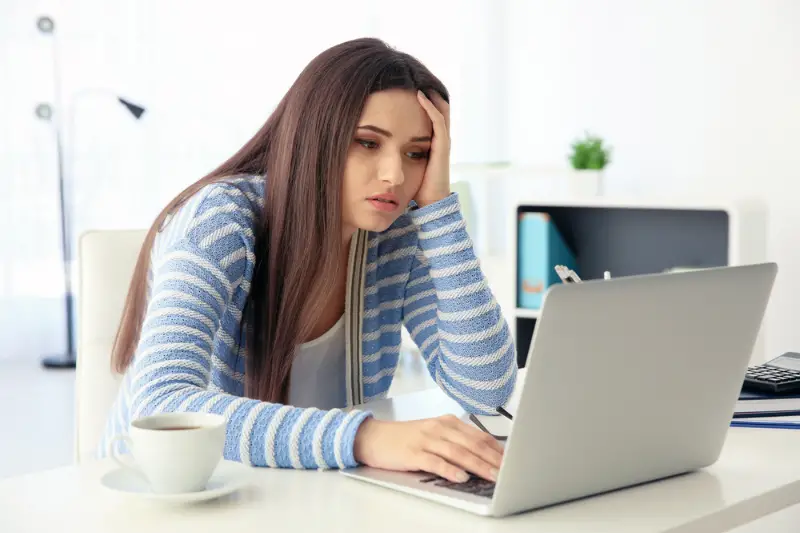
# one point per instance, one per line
(757, 474)
(783, 521)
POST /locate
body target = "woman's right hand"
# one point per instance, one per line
(445, 446)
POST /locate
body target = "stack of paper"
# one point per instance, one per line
(769, 412)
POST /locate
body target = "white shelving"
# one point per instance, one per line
(644, 236)
(521, 312)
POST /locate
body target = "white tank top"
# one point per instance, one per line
(318, 373)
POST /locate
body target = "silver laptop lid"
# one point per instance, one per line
(629, 380)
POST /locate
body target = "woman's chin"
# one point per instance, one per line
(377, 222)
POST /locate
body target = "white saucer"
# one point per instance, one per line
(227, 478)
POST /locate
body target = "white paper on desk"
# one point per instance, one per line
(499, 426)
(770, 419)
(772, 404)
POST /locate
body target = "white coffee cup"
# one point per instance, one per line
(174, 452)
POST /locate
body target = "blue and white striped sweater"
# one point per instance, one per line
(421, 273)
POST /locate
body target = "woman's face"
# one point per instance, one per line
(386, 160)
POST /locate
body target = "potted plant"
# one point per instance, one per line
(588, 158)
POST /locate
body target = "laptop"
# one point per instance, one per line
(627, 381)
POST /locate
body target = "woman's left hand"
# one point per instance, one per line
(436, 181)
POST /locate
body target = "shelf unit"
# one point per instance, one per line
(631, 237)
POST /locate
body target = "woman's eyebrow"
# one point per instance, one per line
(388, 134)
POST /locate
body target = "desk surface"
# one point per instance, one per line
(757, 474)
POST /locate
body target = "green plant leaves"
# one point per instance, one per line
(589, 153)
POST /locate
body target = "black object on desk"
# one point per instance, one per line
(778, 376)
(774, 407)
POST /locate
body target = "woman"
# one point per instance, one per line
(273, 290)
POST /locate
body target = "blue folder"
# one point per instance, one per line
(753, 423)
(541, 248)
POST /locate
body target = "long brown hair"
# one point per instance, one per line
(301, 150)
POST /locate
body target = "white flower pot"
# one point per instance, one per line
(585, 182)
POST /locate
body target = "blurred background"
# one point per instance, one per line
(699, 99)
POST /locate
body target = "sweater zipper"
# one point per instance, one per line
(354, 311)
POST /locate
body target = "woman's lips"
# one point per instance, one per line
(384, 202)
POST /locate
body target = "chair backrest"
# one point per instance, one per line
(106, 260)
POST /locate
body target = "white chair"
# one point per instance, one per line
(106, 260)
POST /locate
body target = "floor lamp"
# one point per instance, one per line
(46, 26)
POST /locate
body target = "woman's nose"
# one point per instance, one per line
(390, 170)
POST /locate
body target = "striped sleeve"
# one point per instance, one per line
(195, 280)
(452, 315)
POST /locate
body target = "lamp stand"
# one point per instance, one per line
(68, 359)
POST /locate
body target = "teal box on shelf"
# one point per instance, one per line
(540, 248)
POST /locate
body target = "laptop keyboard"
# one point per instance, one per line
(475, 485)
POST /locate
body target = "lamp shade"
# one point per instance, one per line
(136, 111)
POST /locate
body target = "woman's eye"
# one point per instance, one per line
(367, 143)
(418, 155)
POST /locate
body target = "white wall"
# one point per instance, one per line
(210, 80)
(695, 97)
